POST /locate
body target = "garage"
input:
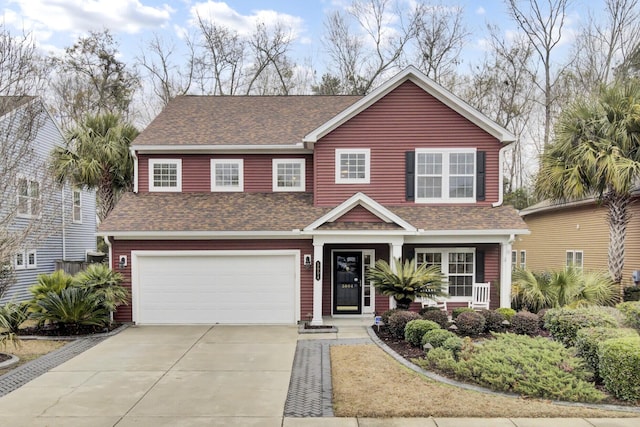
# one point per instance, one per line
(208, 287)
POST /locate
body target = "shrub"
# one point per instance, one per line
(55, 282)
(415, 329)
(588, 340)
(525, 323)
(437, 337)
(631, 312)
(105, 284)
(506, 312)
(631, 293)
(459, 310)
(453, 344)
(620, 367)
(438, 316)
(441, 360)
(385, 316)
(493, 321)
(398, 320)
(564, 323)
(12, 315)
(470, 323)
(71, 308)
(532, 366)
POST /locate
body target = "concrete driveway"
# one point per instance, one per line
(165, 376)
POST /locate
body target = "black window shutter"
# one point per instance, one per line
(410, 174)
(480, 175)
(479, 266)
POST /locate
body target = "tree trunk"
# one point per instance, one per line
(403, 304)
(618, 216)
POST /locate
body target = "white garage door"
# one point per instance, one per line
(241, 287)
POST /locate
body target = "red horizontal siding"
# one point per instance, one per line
(405, 119)
(196, 171)
(359, 214)
(124, 247)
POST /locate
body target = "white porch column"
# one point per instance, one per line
(396, 253)
(505, 273)
(318, 250)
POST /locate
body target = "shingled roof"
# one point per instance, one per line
(241, 120)
(281, 212)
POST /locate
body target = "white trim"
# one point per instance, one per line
(420, 79)
(297, 148)
(362, 281)
(445, 266)
(17, 266)
(521, 264)
(500, 176)
(73, 205)
(198, 235)
(135, 272)
(30, 180)
(274, 171)
(369, 204)
(574, 252)
(28, 265)
(177, 163)
(367, 165)
(136, 173)
(229, 188)
(445, 175)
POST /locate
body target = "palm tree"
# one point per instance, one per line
(407, 282)
(97, 157)
(596, 153)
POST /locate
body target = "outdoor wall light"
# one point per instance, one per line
(122, 261)
(307, 261)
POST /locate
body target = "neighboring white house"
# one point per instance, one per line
(61, 219)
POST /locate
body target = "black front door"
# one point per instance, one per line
(347, 282)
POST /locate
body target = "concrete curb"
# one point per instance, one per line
(479, 389)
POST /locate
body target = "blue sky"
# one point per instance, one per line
(57, 23)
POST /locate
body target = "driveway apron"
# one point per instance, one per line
(165, 376)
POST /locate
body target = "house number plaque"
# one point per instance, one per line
(318, 270)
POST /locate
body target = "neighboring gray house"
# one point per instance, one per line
(42, 221)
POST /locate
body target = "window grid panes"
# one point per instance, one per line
(523, 259)
(227, 175)
(353, 165)
(445, 175)
(19, 260)
(77, 206)
(429, 175)
(289, 175)
(165, 175)
(459, 269)
(28, 197)
(31, 259)
(575, 259)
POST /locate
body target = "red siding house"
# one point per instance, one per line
(271, 209)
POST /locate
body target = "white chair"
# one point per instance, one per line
(434, 302)
(480, 296)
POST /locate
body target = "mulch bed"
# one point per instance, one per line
(4, 357)
(400, 346)
(57, 331)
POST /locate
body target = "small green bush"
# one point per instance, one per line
(398, 320)
(525, 323)
(506, 312)
(588, 340)
(385, 316)
(631, 312)
(437, 337)
(459, 310)
(493, 321)
(439, 316)
(453, 344)
(415, 330)
(12, 315)
(441, 360)
(532, 366)
(470, 323)
(564, 323)
(620, 367)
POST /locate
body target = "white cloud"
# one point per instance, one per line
(222, 14)
(130, 16)
(480, 11)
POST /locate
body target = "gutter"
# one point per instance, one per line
(135, 168)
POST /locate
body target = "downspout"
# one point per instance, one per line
(64, 228)
(135, 170)
(500, 176)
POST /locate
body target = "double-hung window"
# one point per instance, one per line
(288, 175)
(25, 259)
(353, 166)
(165, 175)
(445, 175)
(575, 259)
(523, 259)
(227, 175)
(77, 206)
(28, 197)
(457, 265)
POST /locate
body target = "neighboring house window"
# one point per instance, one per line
(32, 259)
(445, 175)
(457, 264)
(514, 260)
(19, 261)
(165, 175)
(575, 259)
(77, 206)
(288, 174)
(28, 197)
(25, 259)
(353, 166)
(523, 259)
(227, 175)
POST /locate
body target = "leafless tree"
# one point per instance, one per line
(26, 208)
(439, 39)
(542, 22)
(271, 64)
(607, 40)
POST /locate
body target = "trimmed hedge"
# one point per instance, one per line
(385, 316)
(506, 312)
(620, 367)
(564, 323)
(439, 316)
(437, 337)
(398, 321)
(631, 312)
(459, 310)
(525, 323)
(470, 323)
(588, 340)
(493, 321)
(415, 330)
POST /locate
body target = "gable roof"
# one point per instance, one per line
(10, 103)
(421, 80)
(240, 120)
